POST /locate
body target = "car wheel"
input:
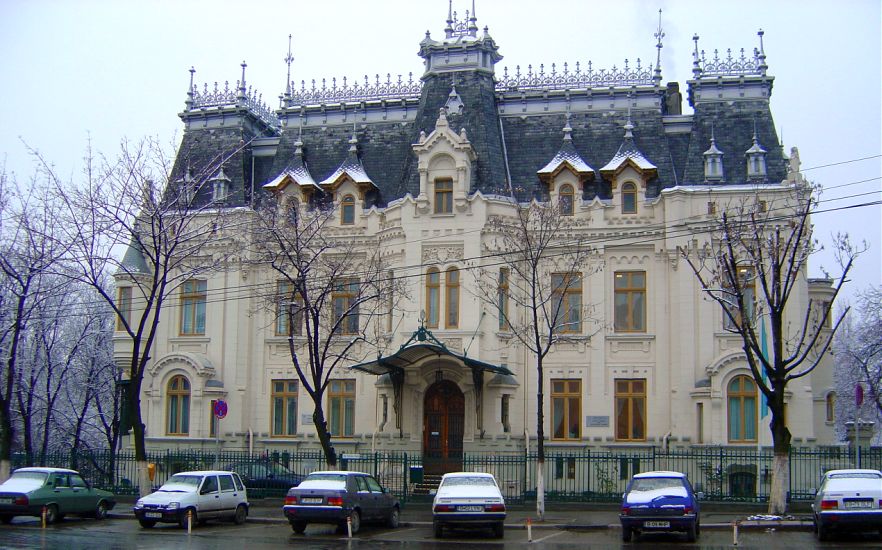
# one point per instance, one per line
(691, 534)
(394, 518)
(101, 510)
(298, 527)
(147, 523)
(6, 519)
(697, 528)
(52, 515)
(626, 534)
(355, 521)
(823, 532)
(499, 530)
(439, 530)
(182, 520)
(241, 514)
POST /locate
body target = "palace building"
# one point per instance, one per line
(419, 167)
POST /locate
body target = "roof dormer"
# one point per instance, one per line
(629, 155)
(567, 161)
(350, 170)
(713, 162)
(297, 174)
(444, 156)
(756, 161)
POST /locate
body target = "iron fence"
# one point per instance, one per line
(722, 473)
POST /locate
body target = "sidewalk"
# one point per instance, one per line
(557, 515)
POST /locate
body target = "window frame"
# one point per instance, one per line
(341, 391)
(286, 394)
(830, 407)
(566, 391)
(347, 209)
(124, 305)
(630, 292)
(451, 297)
(177, 406)
(194, 295)
(443, 193)
(567, 200)
(503, 287)
(630, 397)
(433, 297)
(741, 395)
(343, 298)
(564, 288)
(629, 198)
(285, 324)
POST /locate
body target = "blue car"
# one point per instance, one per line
(660, 502)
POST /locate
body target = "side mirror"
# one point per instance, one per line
(699, 495)
(433, 492)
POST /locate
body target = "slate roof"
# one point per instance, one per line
(297, 170)
(628, 152)
(351, 167)
(567, 155)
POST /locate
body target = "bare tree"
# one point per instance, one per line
(29, 252)
(536, 287)
(153, 229)
(755, 267)
(332, 284)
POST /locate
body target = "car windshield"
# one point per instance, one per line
(326, 477)
(468, 480)
(178, 479)
(656, 484)
(33, 476)
(855, 475)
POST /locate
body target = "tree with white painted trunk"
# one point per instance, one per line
(754, 264)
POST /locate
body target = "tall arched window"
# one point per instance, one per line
(178, 406)
(347, 210)
(830, 402)
(451, 287)
(629, 198)
(741, 394)
(433, 297)
(566, 200)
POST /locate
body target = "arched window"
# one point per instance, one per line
(741, 394)
(178, 406)
(451, 287)
(347, 210)
(831, 406)
(566, 200)
(629, 198)
(433, 297)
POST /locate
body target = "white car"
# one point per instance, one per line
(848, 500)
(468, 499)
(200, 495)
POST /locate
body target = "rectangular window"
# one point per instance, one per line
(506, 422)
(748, 293)
(289, 313)
(390, 300)
(433, 297)
(699, 419)
(124, 304)
(345, 298)
(630, 410)
(193, 295)
(566, 291)
(566, 409)
(451, 288)
(444, 196)
(711, 208)
(630, 301)
(502, 299)
(284, 408)
(341, 408)
(212, 423)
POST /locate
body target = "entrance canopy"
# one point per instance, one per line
(426, 345)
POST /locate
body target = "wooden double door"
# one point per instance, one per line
(443, 420)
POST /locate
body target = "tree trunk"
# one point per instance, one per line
(540, 489)
(5, 469)
(781, 462)
(145, 486)
(540, 443)
(321, 427)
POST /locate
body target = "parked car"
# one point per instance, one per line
(660, 502)
(335, 496)
(265, 475)
(60, 491)
(204, 495)
(468, 499)
(848, 500)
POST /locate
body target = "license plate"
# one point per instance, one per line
(7, 500)
(311, 500)
(657, 524)
(153, 515)
(469, 508)
(858, 504)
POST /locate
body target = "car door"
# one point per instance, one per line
(228, 495)
(81, 498)
(209, 497)
(382, 500)
(61, 493)
(365, 498)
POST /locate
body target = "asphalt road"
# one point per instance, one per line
(74, 534)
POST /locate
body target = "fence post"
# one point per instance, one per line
(406, 475)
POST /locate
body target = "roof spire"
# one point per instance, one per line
(628, 125)
(353, 141)
(191, 91)
(473, 22)
(242, 88)
(567, 130)
(288, 59)
(696, 67)
(659, 34)
(448, 30)
(761, 57)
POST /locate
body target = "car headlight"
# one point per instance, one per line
(173, 505)
(139, 504)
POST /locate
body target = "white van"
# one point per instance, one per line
(203, 495)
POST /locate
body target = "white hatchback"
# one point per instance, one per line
(199, 495)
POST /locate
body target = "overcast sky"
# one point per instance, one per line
(108, 69)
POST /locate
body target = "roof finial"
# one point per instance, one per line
(696, 67)
(191, 91)
(659, 34)
(567, 130)
(353, 141)
(448, 30)
(473, 22)
(761, 57)
(628, 125)
(288, 59)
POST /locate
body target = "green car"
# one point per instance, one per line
(59, 491)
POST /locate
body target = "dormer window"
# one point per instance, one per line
(347, 210)
(629, 198)
(566, 200)
(443, 196)
(756, 161)
(219, 190)
(713, 163)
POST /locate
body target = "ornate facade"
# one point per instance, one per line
(418, 167)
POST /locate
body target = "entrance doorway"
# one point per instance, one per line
(444, 415)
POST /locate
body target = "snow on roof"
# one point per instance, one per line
(567, 154)
(628, 151)
(352, 167)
